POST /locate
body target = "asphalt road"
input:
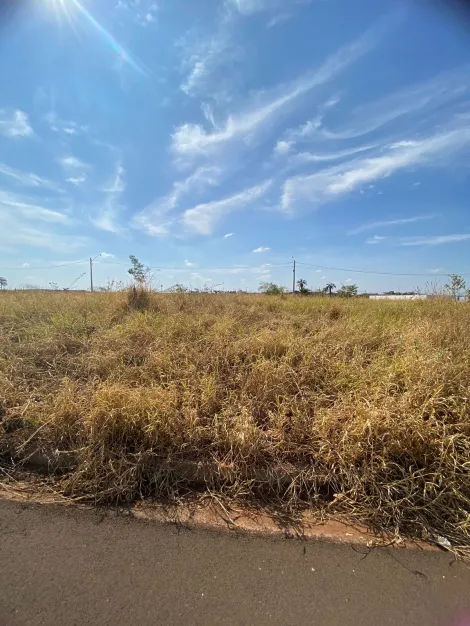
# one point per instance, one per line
(62, 566)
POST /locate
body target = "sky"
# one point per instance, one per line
(218, 140)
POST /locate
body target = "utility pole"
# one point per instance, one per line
(293, 278)
(91, 269)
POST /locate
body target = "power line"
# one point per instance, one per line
(205, 269)
(241, 268)
(32, 269)
(343, 269)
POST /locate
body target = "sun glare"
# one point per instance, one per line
(72, 9)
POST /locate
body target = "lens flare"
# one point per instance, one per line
(68, 8)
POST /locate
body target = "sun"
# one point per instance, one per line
(61, 10)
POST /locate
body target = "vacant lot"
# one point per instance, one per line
(360, 407)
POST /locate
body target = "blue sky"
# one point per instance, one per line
(218, 139)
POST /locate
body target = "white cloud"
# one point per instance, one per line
(228, 235)
(15, 124)
(25, 265)
(188, 263)
(386, 223)
(434, 240)
(76, 180)
(106, 255)
(72, 163)
(437, 270)
(141, 12)
(202, 218)
(430, 94)
(278, 19)
(203, 59)
(69, 127)
(305, 132)
(375, 239)
(261, 249)
(330, 183)
(302, 158)
(17, 231)
(282, 148)
(27, 179)
(192, 139)
(154, 218)
(108, 212)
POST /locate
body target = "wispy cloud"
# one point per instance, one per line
(280, 18)
(27, 179)
(387, 223)
(431, 94)
(106, 255)
(68, 127)
(155, 219)
(72, 163)
(142, 12)
(15, 124)
(303, 158)
(202, 218)
(15, 231)
(188, 263)
(330, 183)
(108, 213)
(375, 239)
(190, 140)
(203, 59)
(228, 235)
(76, 180)
(18, 205)
(435, 240)
(261, 249)
(306, 131)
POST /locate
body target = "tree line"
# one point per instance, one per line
(345, 291)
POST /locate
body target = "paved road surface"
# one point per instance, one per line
(60, 566)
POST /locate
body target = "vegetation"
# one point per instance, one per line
(3, 282)
(302, 285)
(329, 288)
(358, 407)
(138, 271)
(348, 291)
(271, 289)
(456, 286)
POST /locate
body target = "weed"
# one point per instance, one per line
(360, 407)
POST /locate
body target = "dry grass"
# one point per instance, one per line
(361, 407)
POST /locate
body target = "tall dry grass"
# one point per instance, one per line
(360, 407)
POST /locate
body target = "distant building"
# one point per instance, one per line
(397, 296)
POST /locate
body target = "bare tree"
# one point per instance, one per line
(3, 282)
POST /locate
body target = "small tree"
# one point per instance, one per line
(302, 285)
(329, 288)
(3, 282)
(456, 285)
(271, 289)
(348, 291)
(138, 270)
